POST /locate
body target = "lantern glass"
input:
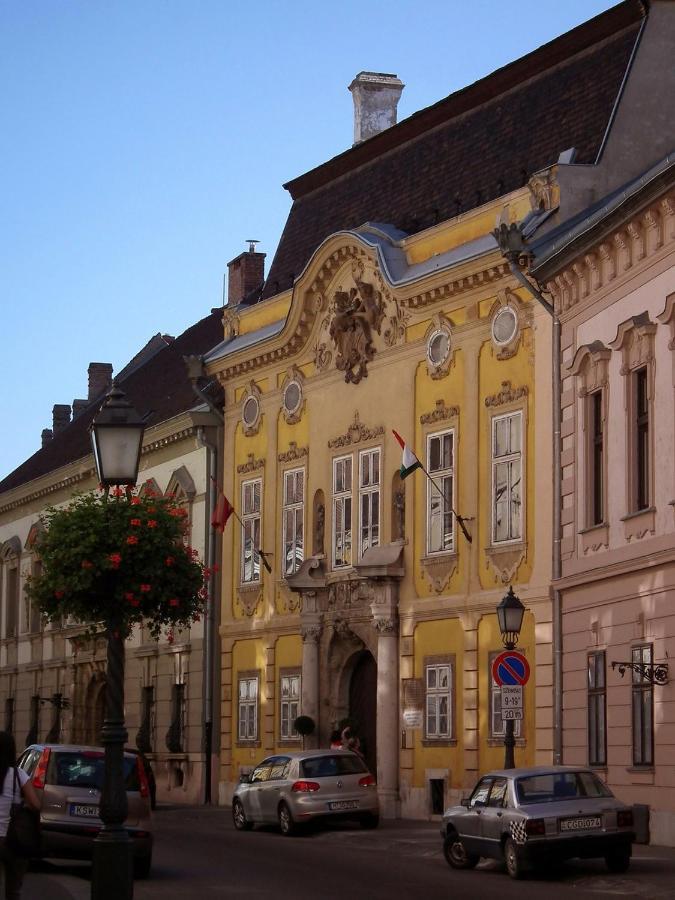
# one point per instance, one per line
(510, 614)
(117, 438)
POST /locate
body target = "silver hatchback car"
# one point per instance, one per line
(292, 789)
(537, 815)
(68, 781)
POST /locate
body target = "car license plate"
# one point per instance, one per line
(79, 809)
(582, 823)
(343, 804)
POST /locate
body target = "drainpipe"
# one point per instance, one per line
(513, 247)
(195, 368)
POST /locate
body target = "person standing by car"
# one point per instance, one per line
(14, 868)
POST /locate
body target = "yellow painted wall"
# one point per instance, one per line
(491, 751)
(440, 637)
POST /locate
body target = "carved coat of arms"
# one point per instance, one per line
(358, 314)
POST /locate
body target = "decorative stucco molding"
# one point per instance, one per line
(249, 598)
(507, 394)
(293, 376)
(440, 325)
(441, 413)
(438, 570)
(293, 454)
(635, 339)
(591, 367)
(251, 465)
(544, 189)
(252, 391)
(356, 433)
(504, 561)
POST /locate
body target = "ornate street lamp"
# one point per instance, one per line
(116, 436)
(510, 612)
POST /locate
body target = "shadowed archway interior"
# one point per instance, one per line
(363, 706)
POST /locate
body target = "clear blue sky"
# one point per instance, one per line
(142, 142)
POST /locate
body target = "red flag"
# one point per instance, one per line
(222, 512)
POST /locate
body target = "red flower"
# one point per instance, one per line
(132, 539)
(169, 561)
(135, 522)
(115, 560)
(175, 512)
(131, 599)
(196, 618)
(86, 564)
(152, 509)
(59, 594)
(135, 501)
(170, 637)
(152, 523)
(117, 492)
(144, 588)
(173, 602)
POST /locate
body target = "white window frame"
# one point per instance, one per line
(248, 697)
(507, 458)
(342, 499)
(251, 520)
(433, 695)
(289, 705)
(446, 504)
(295, 509)
(371, 492)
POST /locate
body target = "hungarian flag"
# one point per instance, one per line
(409, 462)
(222, 512)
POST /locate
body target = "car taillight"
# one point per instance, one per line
(367, 781)
(143, 786)
(624, 818)
(41, 770)
(305, 787)
(535, 826)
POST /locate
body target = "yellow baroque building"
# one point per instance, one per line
(351, 594)
(377, 608)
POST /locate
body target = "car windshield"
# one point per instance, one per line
(325, 766)
(85, 769)
(552, 786)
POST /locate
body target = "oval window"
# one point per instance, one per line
(504, 325)
(250, 411)
(438, 347)
(292, 397)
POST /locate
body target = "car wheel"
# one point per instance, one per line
(142, 866)
(286, 823)
(369, 820)
(618, 860)
(456, 855)
(514, 865)
(241, 823)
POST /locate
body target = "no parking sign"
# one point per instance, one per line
(510, 668)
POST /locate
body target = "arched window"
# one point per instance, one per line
(10, 585)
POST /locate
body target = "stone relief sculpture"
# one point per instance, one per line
(319, 524)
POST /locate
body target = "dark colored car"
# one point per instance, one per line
(537, 815)
(68, 781)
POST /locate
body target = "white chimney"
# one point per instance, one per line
(376, 97)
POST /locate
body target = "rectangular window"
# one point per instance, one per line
(507, 478)
(597, 709)
(440, 500)
(643, 708)
(597, 459)
(12, 601)
(342, 512)
(641, 439)
(438, 679)
(293, 517)
(497, 724)
(175, 736)
(248, 708)
(290, 706)
(251, 494)
(369, 499)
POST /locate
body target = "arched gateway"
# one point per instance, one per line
(350, 657)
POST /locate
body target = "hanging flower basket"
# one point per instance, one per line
(118, 561)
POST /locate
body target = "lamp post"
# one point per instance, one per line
(116, 436)
(510, 612)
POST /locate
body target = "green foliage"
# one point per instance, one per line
(118, 561)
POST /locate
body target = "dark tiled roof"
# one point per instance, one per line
(159, 389)
(475, 145)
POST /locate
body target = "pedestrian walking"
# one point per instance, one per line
(12, 868)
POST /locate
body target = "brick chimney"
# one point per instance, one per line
(100, 379)
(376, 97)
(60, 416)
(78, 407)
(245, 273)
(47, 435)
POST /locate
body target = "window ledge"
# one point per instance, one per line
(594, 538)
(641, 770)
(439, 742)
(637, 525)
(248, 743)
(499, 742)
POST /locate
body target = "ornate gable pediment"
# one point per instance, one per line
(361, 317)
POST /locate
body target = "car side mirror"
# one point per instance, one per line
(245, 778)
(465, 802)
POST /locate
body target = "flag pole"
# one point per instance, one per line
(460, 520)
